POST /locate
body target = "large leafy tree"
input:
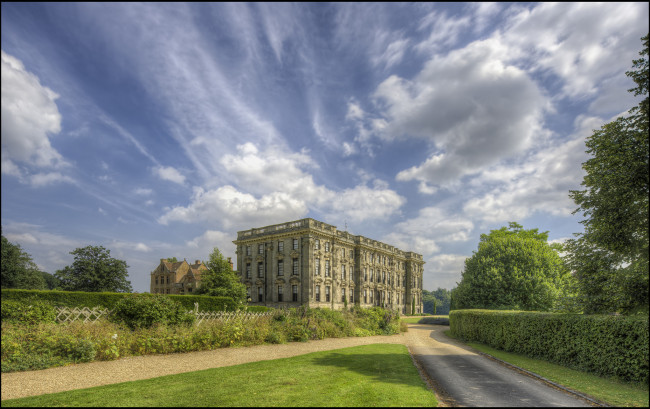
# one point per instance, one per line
(94, 270)
(611, 257)
(18, 269)
(513, 268)
(220, 280)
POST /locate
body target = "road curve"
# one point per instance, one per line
(461, 377)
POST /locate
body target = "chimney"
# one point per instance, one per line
(163, 260)
(230, 262)
(197, 262)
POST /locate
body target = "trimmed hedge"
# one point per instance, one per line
(109, 300)
(613, 346)
(28, 312)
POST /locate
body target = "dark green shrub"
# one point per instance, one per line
(29, 311)
(613, 346)
(145, 310)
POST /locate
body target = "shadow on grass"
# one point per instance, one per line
(391, 368)
(434, 321)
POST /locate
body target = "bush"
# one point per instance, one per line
(145, 310)
(614, 346)
(29, 311)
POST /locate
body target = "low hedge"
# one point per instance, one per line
(109, 300)
(612, 346)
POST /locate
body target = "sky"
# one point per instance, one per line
(161, 130)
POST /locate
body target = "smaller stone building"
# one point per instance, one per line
(176, 278)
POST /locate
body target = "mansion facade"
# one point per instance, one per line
(308, 262)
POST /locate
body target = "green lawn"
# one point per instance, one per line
(414, 320)
(613, 392)
(370, 375)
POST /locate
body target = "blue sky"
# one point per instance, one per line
(160, 130)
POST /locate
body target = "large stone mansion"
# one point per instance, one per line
(308, 262)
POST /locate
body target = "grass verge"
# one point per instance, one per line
(610, 391)
(369, 375)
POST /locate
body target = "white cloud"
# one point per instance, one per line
(143, 191)
(444, 270)
(169, 173)
(280, 190)
(142, 247)
(362, 203)
(205, 243)
(18, 238)
(582, 43)
(43, 179)
(538, 183)
(29, 116)
(431, 227)
(388, 49)
(444, 31)
(470, 105)
(483, 13)
(279, 25)
(127, 245)
(228, 207)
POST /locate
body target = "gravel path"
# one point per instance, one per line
(86, 375)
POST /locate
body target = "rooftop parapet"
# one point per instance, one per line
(313, 224)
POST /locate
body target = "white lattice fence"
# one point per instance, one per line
(88, 315)
(66, 314)
(227, 316)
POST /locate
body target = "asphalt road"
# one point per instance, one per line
(462, 377)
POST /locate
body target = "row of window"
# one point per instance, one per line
(260, 269)
(162, 280)
(382, 277)
(260, 293)
(327, 295)
(328, 270)
(260, 247)
(381, 259)
(368, 297)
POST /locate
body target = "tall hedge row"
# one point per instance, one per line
(108, 300)
(606, 345)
